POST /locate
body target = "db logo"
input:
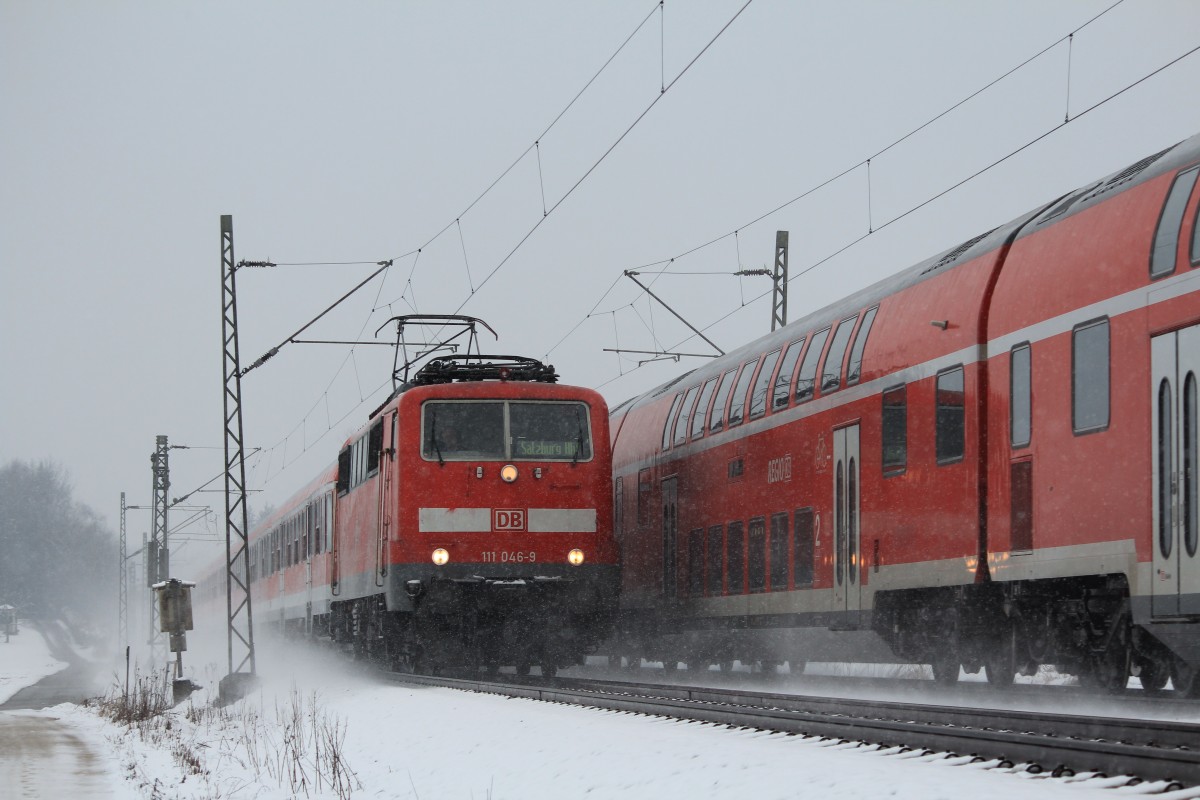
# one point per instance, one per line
(508, 519)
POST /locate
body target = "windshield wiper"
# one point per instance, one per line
(437, 448)
(578, 445)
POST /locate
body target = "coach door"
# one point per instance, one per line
(670, 525)
(845, 521)
(1175, 362)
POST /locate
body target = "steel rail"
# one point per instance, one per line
(1063, 743)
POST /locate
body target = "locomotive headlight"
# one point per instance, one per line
(575, 557)
(441, 556)
(508, 473)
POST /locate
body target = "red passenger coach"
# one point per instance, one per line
(471, 525)
(988, 460)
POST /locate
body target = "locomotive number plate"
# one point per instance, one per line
(508, 556)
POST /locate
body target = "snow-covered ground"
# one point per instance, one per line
(24, 660)
(407, 742)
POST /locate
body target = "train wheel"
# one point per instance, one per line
(1152, 673)
(1185, 678)
(1001, 661)
(945, 670)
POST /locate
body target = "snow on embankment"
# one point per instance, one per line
(24, 660)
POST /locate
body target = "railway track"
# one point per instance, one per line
(1064, 744)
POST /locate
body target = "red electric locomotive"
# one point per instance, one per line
(988, 460)
(469, 523)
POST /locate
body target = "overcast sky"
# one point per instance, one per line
(356, 132)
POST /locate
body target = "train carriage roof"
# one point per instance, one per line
(1167, 160)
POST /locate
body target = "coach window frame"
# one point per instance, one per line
(735, 545)
(669, 427)
(763, 383)
(817, 343)
(684, 417)
(893, 468)
(742, 390)
(1194, 252)
(699, 423)
(859, 346)
(942, 420)
(721, 401)
(828, 386)
(1026, 407)
(1164, 247)
(786, 394)
(1091, 390)
(757, 578)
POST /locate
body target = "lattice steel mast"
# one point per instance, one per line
(780, 279)
(123, 585)
(237, 593)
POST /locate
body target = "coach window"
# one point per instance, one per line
(950, 419)
(831, 375)
(1020, 413)
(783, 382)
(695, 582)
(715, 561)
(618, 507)
(737, 406)
(779, 552)
(375, 447)
(1166, 238)
(682, 422)
(643, 496)
(718, 409)
(808, 369)
(854, 373)
(758, 555)
(343, 477)
(803, 547)
(1195, 254)
(895, 430)
(735, 559)
(758, 397)
(698, 417)
(666, 442)
(1090, 377)
(1191, 468)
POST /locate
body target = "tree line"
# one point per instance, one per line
(58, 560)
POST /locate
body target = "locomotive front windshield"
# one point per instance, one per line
(505, 430)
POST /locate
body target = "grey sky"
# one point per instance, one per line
(356, 132)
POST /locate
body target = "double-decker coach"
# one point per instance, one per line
(987, 460)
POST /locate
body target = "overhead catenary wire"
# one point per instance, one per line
(1054, 129)
(866, 161)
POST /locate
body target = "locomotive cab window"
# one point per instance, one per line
(1166, 237)
(1090, 377)
(505, 430)
(950, 416)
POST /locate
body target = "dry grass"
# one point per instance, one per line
(295, 745)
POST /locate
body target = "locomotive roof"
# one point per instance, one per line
(1167, 160)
